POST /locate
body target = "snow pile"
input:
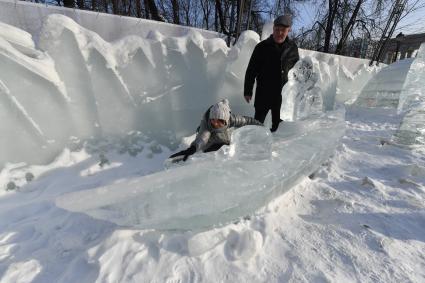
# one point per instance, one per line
(363, 208)
(412, 103)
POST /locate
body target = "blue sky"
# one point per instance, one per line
(413, 23)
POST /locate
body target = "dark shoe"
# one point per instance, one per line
(274, 127)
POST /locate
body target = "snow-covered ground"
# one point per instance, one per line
(360, 218)
(354, 213)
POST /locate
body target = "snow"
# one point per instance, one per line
(87, 123)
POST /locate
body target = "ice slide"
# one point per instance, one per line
(217, 188)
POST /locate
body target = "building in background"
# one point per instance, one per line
(397, 48)
(402, 46)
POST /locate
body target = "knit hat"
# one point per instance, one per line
(220, 110)
(284, 20)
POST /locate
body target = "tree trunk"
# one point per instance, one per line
(176, 11)
(232, 22)
(221, 17)
(138, 8)
(239, 18)
(333, 8)
(105, 5)
(216, 19)
(206, 10)
(80, 4)
(248, 24)
(115, 9)
(154, 11)
(348, 28)
(69, 3)
(147, 15)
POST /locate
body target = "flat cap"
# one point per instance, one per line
(284, 20)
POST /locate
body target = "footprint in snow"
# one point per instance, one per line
(243, 245)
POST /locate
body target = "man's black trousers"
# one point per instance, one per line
(262, 110)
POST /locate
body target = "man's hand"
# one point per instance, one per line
(248, 98)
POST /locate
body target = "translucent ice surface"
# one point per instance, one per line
(74, 85)
(385, 87)
(412, 103)
(413, 91)
(79, 86)
(216, 188)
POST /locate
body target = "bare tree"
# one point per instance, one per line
(347, 28)
(206, 6)
(69, 3)
(176, 11)
(153, 10)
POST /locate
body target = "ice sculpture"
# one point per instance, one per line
(311, 89)
(29, 16)
(412, 102)
(216, 188)
(158, 85)
(161, 86)
(350, 85)
(213, 189)
(413, 90)
(384, 90)
(31, 94)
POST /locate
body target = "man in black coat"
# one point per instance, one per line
(269, 65)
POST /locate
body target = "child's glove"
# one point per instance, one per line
(188, 152)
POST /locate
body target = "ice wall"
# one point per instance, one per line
(78, 86)
(412, 103)
(30, 16)
(413, 91)
(82, 86)
(385, 87)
